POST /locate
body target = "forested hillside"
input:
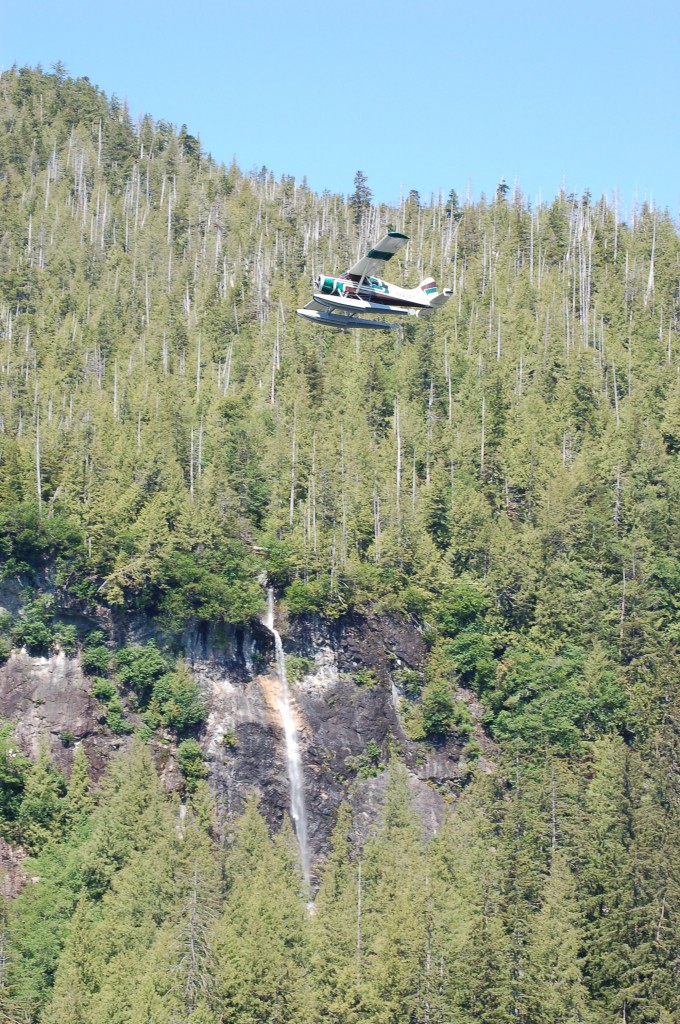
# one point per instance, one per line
(504, 473)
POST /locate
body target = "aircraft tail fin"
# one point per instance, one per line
(436, 298)
(429, 286)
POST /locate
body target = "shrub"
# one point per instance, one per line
(412, 715)
(438, 717)
(13, 770)
(367, 765)
(95, 638)
(6, 622)
(95, 660)
(298, 666)
(191, 763)
(365, 677)
(305, 598)
(176, 701)
(472, 657)
(66, 637)
(34, 629)
(115, 718)
(103, 689)
(139, 666)
(410, 681)
(460, 605)
(437, 709)
(35, 636)
(472, 751)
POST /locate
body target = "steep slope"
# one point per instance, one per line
(472, 530)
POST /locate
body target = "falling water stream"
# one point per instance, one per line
(296, 780)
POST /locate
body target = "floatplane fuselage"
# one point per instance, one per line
(343, 301)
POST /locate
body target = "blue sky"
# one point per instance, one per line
(429, 96)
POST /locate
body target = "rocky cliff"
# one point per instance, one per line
(345, 697)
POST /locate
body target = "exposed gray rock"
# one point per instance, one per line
(335, 718)
(339, 708)
(10, 596)
(367, 801)
(13, 878)
(48, 699)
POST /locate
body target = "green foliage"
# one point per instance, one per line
(28, 539)
(139, 667)
(507, 472)
(230, 740)
(459, 606)
(176, 701)
(414, 725)
(103, 689)
(67, 637)
(13, 770)
(472, 657)
(78, 802)
(298, 666)
(365, 677)
(410, 681)
(34, 629)
(191, 763)
(305, 598)
(39, 813)
(95, 660)
(115, 717)
(367, 765)
(438, 715)
(541, 699)
(95, 638)
(442, 715)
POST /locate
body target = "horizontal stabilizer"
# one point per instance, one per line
(440, 300)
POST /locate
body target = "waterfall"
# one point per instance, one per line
(296, 780)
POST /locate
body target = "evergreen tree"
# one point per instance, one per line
(555, 987)
(78, 802)
(40, 804)
(360, 199)
(261, 940)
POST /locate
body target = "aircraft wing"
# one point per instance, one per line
(374, 262)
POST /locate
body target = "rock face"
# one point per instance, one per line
(12, 875)
(336, 718)
(47, 699)
(343, 683)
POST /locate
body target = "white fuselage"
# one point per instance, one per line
(372, 295)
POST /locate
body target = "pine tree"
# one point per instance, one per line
(78, 802)
(261, 941)
(555, 987)
(360, 199)
(394, 948)
(41, 803)
(337, 929)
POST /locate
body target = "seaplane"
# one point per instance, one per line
(344, 301)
